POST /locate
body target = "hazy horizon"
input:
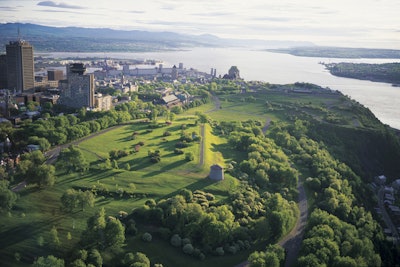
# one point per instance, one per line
(371, 24)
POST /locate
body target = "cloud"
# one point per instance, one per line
(59, 11)
(277, 19)
(58, 5)
(137, 12)
(7, 8)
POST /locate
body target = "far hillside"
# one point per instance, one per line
(387, 72)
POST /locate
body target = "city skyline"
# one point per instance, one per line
(373, 24)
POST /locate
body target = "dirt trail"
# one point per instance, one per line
(292, 241)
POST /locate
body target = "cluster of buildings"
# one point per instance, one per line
(74, 86)
(19, 85)
(389, 202)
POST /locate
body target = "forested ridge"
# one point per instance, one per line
(387, 72)
(141, 199)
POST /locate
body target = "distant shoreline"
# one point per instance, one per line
(339, 52)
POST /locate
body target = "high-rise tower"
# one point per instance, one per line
(20, 68)
(79, 91)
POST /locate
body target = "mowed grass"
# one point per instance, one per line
(38, 211)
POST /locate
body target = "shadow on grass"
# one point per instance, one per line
(198, 185)
(166, 168)
(25, 231)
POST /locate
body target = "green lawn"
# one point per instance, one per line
(38, 211)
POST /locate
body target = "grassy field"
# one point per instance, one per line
(38, 211)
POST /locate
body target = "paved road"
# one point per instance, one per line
(53, 154)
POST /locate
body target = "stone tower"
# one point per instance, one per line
(216, 172)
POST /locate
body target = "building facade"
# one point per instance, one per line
(78, 91)
(55, 75)
(3, 72)
(20, 66)
(103, 102)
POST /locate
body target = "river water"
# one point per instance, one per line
(381, 98)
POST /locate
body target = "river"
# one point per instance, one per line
(381, 98)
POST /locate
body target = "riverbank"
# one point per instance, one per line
(385, 73)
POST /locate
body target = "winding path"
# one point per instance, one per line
(217, 104)
(292, 241)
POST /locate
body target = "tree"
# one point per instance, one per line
(34, 171)
(114, 233)
(272, 257)
(147, 237)
(45, 175)
(176, 240)
(86, 198)
(69, 199)
(7, 197)
(95, 258)
(42, 142)
(49, 261)
(72, 159)
(203, 118)
(54, 240)
(141, 258)
(189, 156)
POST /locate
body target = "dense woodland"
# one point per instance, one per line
(339, 52)
(312, 138)
(387, 72)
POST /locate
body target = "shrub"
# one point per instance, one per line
(151, 203)
(189, 156)
(188, 249)
(167, 133)
(178, 151)
(137, 148)
(185, 241)
(232, 249)
(147, 237)
(127, 167)
(141, 143)
(219, 251)
(131, 229)
(155, 156)
(181, 144)
(176, 240)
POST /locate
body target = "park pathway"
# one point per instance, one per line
(292, 241)
(217, 103)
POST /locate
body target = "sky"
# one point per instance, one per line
(346, 23)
